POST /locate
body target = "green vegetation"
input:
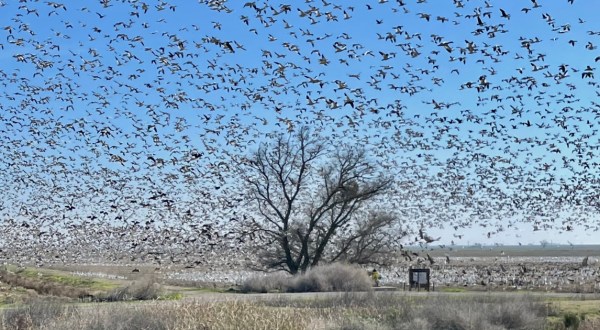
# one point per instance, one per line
(585, 307)
(61, 278)
(574, 314)
(171, 296)
(56, 284)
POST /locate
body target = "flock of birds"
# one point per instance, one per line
(122, 121)
(557, 274)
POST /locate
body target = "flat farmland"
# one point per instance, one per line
(502, 268)
(550, 268)
(517, 251)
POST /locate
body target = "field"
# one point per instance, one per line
(492, 288)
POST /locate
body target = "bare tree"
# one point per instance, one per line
(310, 199)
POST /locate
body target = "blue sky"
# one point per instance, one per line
(136, 91)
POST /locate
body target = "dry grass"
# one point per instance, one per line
(396, 311)
(35, 313)
(341, 311)
(160, 315)
(485, 312)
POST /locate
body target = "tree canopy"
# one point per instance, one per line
(313, 203)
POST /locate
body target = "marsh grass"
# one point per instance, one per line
(35, 313)
(484, 312)
(344, 310)
(397, 311)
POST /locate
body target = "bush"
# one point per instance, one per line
(334, 277)
(344, 277)
(144, 289)
(311, 281)
(571, 321)
(265, 283)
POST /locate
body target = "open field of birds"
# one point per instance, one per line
(558, 269)
(154, 302)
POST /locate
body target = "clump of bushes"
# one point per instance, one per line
(332, 277)
(326, 278)
(144, 289)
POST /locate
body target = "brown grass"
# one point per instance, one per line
(341, 311)
(348, 310)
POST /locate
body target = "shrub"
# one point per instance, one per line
(144, 289)
(265, 283)
(333, 277)
(344, 277)
(571, 321)
(311, 281)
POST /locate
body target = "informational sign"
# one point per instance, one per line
(419, 278)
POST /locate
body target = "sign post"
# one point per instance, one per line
(419, 279)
